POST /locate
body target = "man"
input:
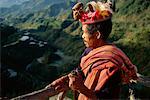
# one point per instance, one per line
(104, 66)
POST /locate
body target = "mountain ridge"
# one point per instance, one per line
(9, 3)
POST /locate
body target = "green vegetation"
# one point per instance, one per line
(131, 31)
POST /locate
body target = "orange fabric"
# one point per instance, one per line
(109, 59)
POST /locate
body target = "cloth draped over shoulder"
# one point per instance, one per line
(103, 62)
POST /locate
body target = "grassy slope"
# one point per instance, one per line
(131, 31)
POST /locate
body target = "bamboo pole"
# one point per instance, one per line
(42, 94)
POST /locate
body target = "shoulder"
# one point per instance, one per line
(110, 47)
(108, 56)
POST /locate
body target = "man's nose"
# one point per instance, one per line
(83, 36)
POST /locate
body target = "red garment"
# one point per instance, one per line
(105, 62)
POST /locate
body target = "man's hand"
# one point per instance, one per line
(61, 84)
(75, 81)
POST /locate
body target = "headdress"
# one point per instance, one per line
(94, 12)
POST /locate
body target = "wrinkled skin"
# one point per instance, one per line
(75, 81)
(61, 84)
(91, 40)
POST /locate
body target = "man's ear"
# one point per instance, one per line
(98, 35)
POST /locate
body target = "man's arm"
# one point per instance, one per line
(52, 89)
(76, 83)
(94, 81)
(61, 84)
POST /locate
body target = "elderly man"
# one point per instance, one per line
(103, 66)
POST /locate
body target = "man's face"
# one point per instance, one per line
(88, 39)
